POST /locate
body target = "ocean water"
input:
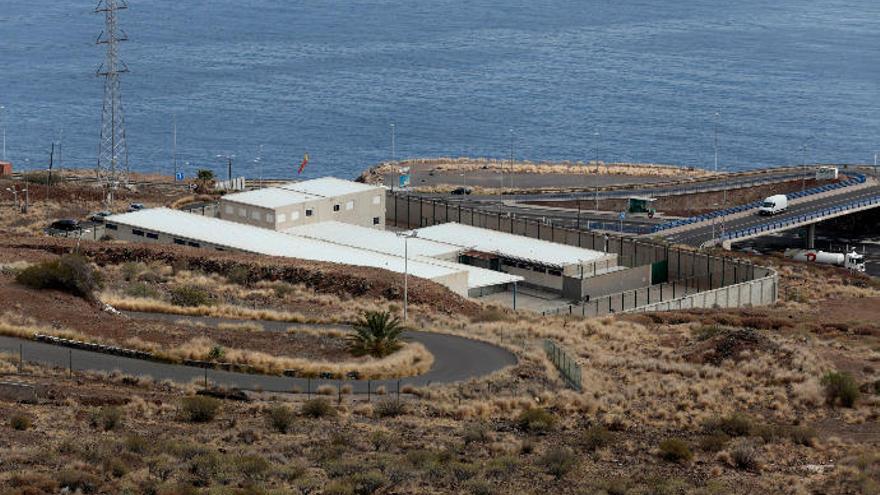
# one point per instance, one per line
(637, 80)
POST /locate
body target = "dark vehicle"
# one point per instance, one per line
(100, 216)
(65, 225)
(461, 190)
(135, 207)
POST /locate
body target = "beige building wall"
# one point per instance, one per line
(366, 209)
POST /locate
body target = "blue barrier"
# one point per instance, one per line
(856, 179)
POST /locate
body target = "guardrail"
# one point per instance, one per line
(806, 217)
(855, 179)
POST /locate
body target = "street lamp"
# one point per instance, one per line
(259, 162)
(229, 164)
(3, 125)
(596, 142)
(804, 178)
(717, 115)
(406, 237)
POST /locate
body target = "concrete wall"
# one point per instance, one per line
(760, 292)
(366, 209)
(575, 288)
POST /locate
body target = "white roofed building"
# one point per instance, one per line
(307, 202)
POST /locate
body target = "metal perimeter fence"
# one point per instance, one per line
(568, 367)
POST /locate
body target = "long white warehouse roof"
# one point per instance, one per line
(387, 242)
(251, 239)
(509, 245)
(383, 241)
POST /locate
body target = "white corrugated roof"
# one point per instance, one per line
(271, 197)
(251, 239)
(328, 187)
(509, 245)
(383, 241)
(387, 242)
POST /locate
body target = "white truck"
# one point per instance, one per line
(851, 261)
(773, 205)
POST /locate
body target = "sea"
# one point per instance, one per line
(266, 81)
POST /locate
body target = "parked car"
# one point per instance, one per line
(100, 216)
(136, 207)
(461, 190)
(65, 225)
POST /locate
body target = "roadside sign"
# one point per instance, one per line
(178, 176)
(404, 177)
(623, 215)
(193, 186)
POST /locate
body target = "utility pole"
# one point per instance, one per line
(259, 161)
(174, 144)
(512, 155)
(3, 125)
(394, 155)
(596, 136)
(804, 178)
(406, 237)
(49, 175)
(716, 141)
(60, 156)
(112, 165)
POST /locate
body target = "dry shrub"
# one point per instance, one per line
(280, 418)
(595, 438)
(318, 408)
(536, 420)
(190, 296)
(744, 455)
(389, 408)
(326, 390)
(558, 461)
(840, 388)
(199, 409)
(70, 273)
(675, 450)
(241, 327)
(20, 422)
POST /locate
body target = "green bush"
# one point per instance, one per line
(595, 438)
(713, 442)
(190, 296)
(536, 420)
(502, 466)
(20, 422)
(389, 408)
(199, 409)
(479, 487)
(240, 275)
(675, 450)
(253, 467)
(281, 418)
(44, 178)
(339, 487)
(840, 388)
(107, 418)
(141, 290)
(377, 333)
(318, 408)
(734, 425)
(558, 461)
(137, 444)
(70, 273)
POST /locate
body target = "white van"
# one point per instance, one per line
(773, 205)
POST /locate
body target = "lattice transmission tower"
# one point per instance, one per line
(112, 169)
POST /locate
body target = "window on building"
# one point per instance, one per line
(194, 244)
(180, 242)
(230, 210)
(309, 212)
(152, 236)
(137, 232)
(242, 213)
(282, 217)
(349, 205)
(335, 207)
(270, 218)
(255, 215)
(377, 200)
(555, 273)
(376, 220)
(111, 226)
(294, 216)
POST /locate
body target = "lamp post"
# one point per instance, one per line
(259, 162)
(717, 115)
(3, 125)
(406, 237)
(804, 178)
(596, 142)
(228, 165)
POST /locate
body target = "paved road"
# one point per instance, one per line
(685, 187)
(698, 236)
(455, 359)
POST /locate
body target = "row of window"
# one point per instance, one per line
(294, 216)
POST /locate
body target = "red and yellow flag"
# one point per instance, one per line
(302, 166)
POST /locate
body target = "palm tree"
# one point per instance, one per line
(377, 333)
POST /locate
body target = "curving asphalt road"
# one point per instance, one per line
(455, 359)
(697, 236)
